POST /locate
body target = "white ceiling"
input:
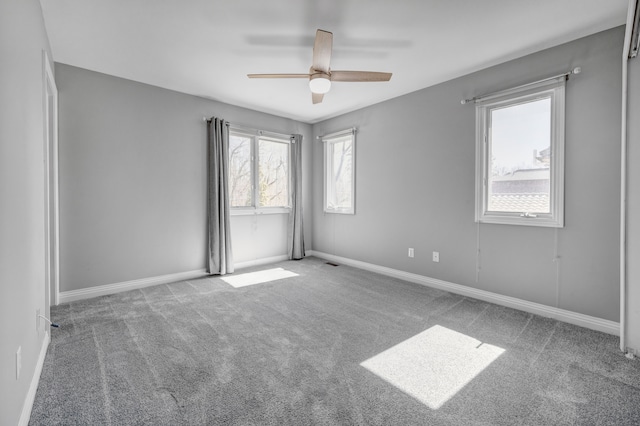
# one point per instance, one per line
(206, 47)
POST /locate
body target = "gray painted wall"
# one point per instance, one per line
(22, 266)
(633, 210)
(133, 181)
(415, 174)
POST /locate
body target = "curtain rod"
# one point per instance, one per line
(576, 70)
(252, 130)
(351, 131)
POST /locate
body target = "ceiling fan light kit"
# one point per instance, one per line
(319, 83)
(320, 75)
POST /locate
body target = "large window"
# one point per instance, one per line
(339, 173)
(520, 157)
(258, 171)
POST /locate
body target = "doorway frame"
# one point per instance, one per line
(51, 195)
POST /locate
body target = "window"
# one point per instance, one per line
(339, 172)
(258, 171)
(520, 156)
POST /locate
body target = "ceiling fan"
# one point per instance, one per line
(320, 75)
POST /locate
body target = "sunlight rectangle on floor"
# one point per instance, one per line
(259, 277)
(434, 365)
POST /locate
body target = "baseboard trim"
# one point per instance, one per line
(25, 416)
(587, 321)
(263, 261)
(102, 290)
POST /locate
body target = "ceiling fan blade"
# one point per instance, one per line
(360, 76)
(322, 51)
(316, 98)
(278, 75)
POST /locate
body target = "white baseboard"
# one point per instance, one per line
(593, 323)
(263, 261)
(35, 380)
(102, 290)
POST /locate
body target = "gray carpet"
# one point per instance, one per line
(329, 346)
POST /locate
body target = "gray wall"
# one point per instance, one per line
(415, 177)
(633, 203)
(22, 266)
(133, 181)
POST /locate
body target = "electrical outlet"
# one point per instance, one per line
(436, 256)
(410, 252)
(38, 320)
(18, 362)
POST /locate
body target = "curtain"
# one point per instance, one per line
(220, 256)
(295, 235)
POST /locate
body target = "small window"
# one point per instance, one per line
(339, 173)
(520, 157)
(258, 171)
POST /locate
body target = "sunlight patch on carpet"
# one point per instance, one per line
(434, 365)
(259, 277)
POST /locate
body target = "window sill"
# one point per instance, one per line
(347, 212)
(252, 211)
(545, 222)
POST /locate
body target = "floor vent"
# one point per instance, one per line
(332, 264)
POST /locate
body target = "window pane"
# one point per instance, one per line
(239, 171)
(339, 196)
(273, 173)
(520, 154)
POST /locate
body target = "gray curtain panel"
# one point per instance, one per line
(220, 258)
(296, 237)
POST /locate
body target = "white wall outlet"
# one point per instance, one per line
(18, 362)
(38, 320)
(436, 256)
(410, 252)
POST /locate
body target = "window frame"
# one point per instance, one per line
(555, 90)
(328, 142)
(255, 137)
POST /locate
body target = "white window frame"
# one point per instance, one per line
(328, 142)
(255, 137)
(555, 90)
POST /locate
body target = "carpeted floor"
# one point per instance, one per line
(324, 345)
